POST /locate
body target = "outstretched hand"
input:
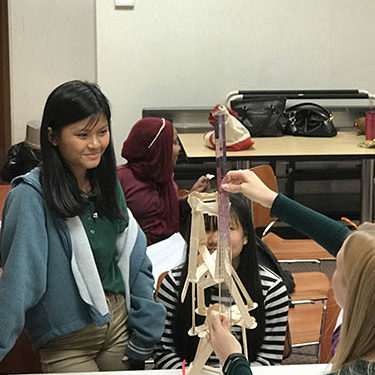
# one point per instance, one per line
(221, 338)
(250, 185)
(202, 184)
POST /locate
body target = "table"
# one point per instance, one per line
(311, 369)
(344, 146)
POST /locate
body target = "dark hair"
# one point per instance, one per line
(69, 103)
(249, 274)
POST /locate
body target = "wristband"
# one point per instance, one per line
(230, 359)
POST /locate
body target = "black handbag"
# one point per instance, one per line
(262, 116)
(309, 120)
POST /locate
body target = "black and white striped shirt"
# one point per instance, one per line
(276, 317)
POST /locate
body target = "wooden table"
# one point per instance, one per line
(344, 146)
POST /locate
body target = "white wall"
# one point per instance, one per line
(51, 41)
(191, 53)
(184, 53)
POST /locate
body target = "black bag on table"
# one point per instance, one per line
(309, 120)
(263, 116)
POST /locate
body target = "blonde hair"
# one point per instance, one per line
(357, 336)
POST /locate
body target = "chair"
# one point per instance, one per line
(321, 318)
(291, 250)
(158, 284)
(330, 318)
(288, 250)
(285, 250)
(307, 313)
(310, 286)
(183, 192)
(4, 189)
(305, 322)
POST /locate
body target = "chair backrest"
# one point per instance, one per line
(261, 215)
(160, 280)
(4, 189)
(183, 192)
(328, 326)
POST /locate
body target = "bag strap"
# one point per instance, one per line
(316, 108)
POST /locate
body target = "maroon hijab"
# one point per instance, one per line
(148, 150)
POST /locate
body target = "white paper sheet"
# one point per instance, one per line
(166, 254)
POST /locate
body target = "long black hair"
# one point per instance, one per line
(69, 103)
(248, 271)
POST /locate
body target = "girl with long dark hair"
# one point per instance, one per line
(266, 341)
(76, 275)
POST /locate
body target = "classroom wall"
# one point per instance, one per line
(192, 53)
(184, 53)
(51, 41)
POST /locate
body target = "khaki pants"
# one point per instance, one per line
(91, 348)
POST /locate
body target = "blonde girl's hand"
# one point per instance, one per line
(250, 185)
(221, 338)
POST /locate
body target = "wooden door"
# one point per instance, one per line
(5, 129)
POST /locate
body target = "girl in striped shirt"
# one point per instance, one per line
(266, 341)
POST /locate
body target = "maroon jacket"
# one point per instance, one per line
(144, 200)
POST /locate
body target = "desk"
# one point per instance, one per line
(289, 148)
(261, 370)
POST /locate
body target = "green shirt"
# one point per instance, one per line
(102, 233)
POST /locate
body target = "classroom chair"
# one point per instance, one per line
(313, 323)
(4, 189)
(294, 250)
(329, 324)
(183, 192)
(158, 284)
(285, 250)
(310, 286)
(305, 321)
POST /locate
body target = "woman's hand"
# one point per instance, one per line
(221, 338)
(250, 185)
(201, 185)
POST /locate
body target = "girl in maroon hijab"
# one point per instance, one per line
(151, 193)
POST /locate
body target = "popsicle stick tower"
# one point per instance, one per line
(206, 270)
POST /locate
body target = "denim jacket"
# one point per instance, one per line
(50, 285)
